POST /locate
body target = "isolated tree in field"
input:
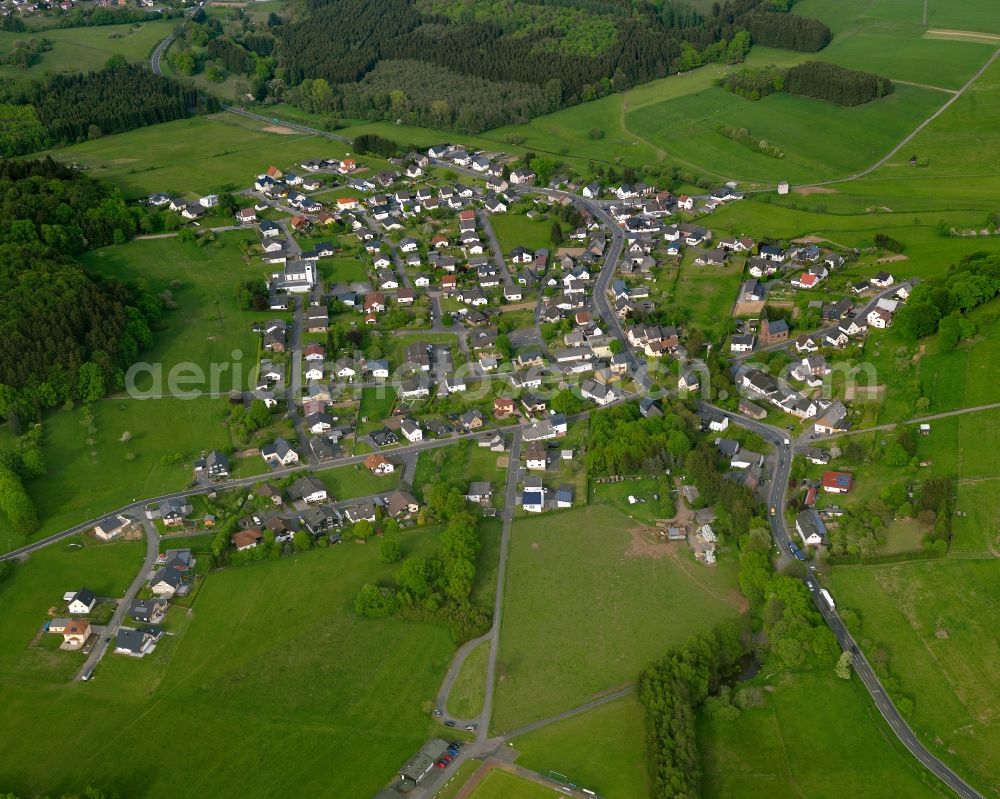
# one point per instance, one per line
(125, 437)
(389, 551)
(844, 664)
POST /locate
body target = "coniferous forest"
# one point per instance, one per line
(416, 61)
(73, 107)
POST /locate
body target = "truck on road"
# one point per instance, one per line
(827, 598)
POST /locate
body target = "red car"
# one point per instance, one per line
(441, 764)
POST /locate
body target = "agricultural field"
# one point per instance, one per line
(576, 621)
(934, 625)
(85, 49)
(294, 670)
(466, 698)
(91, 472)
(601, 749)
(763, 753)
(207, 327)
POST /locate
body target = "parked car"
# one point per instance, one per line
(449, 723)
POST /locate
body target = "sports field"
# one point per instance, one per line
(273, 662)
(502, 785)
(602, 749)
(577, 619)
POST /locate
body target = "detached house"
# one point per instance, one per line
(378, 464)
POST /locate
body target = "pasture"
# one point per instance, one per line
(577, 621)
(274, 659)
(85, 49)
(91, 472)
(602, 749)
(934, 623)
(762, 754)
(193, 157)
(706, 294)
(207, 328)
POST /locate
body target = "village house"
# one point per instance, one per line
(378, 464)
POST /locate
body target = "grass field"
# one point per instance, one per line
(936, 623)
(516, 230)
(502, 785)
(577, 621)
(647, 510)
(274, 659)
(466, 698)
(193, 156)
(207, 327)
(89, 473)
(39, 585)
(707, 294)
(766, 752)
(347, 482)
(602, 749)
(85, 49)
(460, 464)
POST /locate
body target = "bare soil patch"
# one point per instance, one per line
(281, 129)
(805, 191)
(648, 542)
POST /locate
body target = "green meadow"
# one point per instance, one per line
(84, 49)
(576, 621)
(275, 683)
(815, 736)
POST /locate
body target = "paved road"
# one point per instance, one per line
(861, 315)
(292, 384)
(510, 505)
(157, 56)
(111, 631)
(776, 499)
(484, 222)
(918, 420)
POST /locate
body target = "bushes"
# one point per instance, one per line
(754, 83)
(742, 136)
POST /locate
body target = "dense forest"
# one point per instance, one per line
(817, 79)
(118, 98)
(66, 335)
(483, 64)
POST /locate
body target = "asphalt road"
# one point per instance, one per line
(782, 537)
(161, 48)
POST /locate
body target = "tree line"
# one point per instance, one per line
(789, 32)
(941, 304)
(66, 335)
(817, 79)
(118, 98)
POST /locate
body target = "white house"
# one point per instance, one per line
(411, 430)
(82, 601)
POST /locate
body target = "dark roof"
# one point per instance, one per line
(86, 596)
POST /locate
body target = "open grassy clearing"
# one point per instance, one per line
(207, 327)
(707, 294)
(274, 658)
(651, 504)
(577, 621)
(466, 698)
(193, 156)
(935, 622)
(516, 230)
(766, 752)
(85, 49)
(347, 482)
(978, 529)
(602, 749)
(89, 472)
(459, 464)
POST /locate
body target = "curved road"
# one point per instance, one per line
(782, 538)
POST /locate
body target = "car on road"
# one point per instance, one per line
(87, 675)
(437, 711)
(449, 723)
(470, 727)
(441, 764)
(774, 510)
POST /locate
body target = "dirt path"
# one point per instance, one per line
(661, 154)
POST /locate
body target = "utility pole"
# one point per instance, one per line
(925, 13)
